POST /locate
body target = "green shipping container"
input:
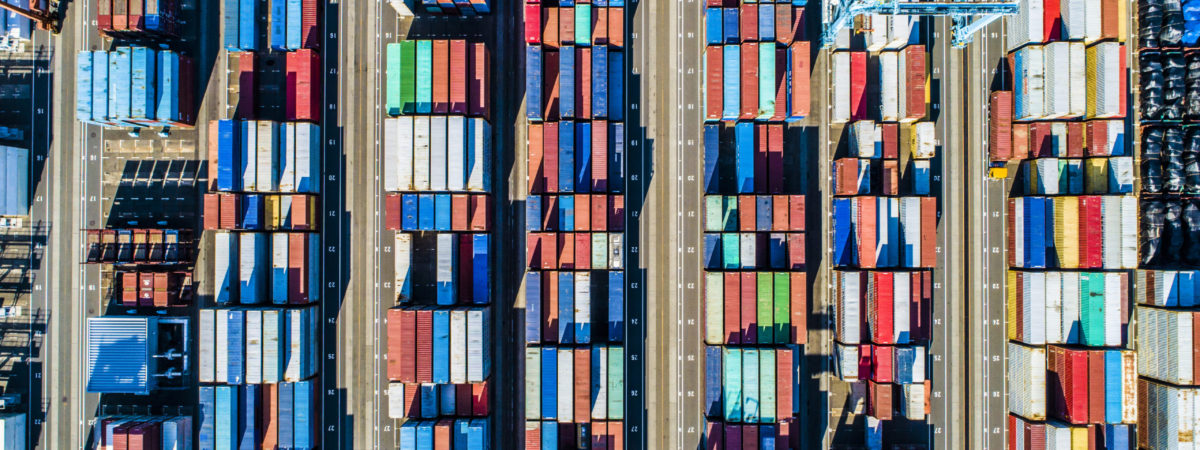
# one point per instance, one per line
(599, 250)
(714, 308)
(583, 24)
(533, 383)
(783, 313)
(766, 382)
(408, 77)
(616, 383)
(713, 208)
(392, 100)
(731, 216)
(750, 395)
(766, 80)
(731, 253)
(765, 300)
(733, 384)
(1091, 309)
(424, 77)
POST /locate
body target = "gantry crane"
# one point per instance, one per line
(47, 20)
(968, 17)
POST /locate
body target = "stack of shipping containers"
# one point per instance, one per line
(438, 207)
(885, 216)
(755, 283)
(1167, 284)
(134, 87)
(258, 335)
(1071, 225)
(574, 286)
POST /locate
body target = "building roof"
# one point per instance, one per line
(120, 355)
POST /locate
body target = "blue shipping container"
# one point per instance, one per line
(616, 87)
(616, 306)
(777, 250)
(447, 397)
(600, 81)
(236, 340)
(712, 251)
(119, 82)
(279, 24)
(712, 151)
(441, 346)
(731, 76)
(583, 157)
(712, 381)
(169, 89)
(549, 435)
(442, 215)
(227, 426)
(100, 101)
(730, 16)
(843, 233)
(533, 82)
(533, 213)
(408, 212)
(304, 416)
(1035, 237)
(566, 83)
(293, 39)
(763, 213)
(481, 287)
(533, 307)
(744, 151)
(1112, 383)
(248, 437)
(549, 385)
(228, 139)
(712, 26)
(616, 158)
(231, 18)
(287, 414)
(566, 213)
(425, 208)
(83, 86)
(208, 417)
(566, 157)
(427, 396)
(566, 307)
(252, 212)
(248, 26)
(766, 22)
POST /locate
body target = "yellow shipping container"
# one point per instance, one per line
(1066, 233)
(1011, 303)
(271, 215)
(1096, 176)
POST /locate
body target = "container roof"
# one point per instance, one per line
(120, 351)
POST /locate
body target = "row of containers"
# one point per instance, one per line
(1069, 80)
(871, 232)
(755, 306)
(437, 77)
(884, 86)
(124, 19)
(260, 345)
(277, 86)
(1167, 299)
(281, 268)
(574, 83)
(289, 24)
(1015, 141)
(598, 23)
(1088, 21)
(282, 415)
(251, 212)
(145, 432)
(267, 157)
(574, 284)
(1073, 232)
(145, 288)
(584, 157)
(437, 198)
(140, 246)
(1090, 309)
(467, 8)
(135, 87)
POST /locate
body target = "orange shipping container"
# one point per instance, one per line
(583, 385)
(929, 219)
(536, 179)
(550, 27)
(616, 27)
(599, 212)
(800, 51)
(441, 76)
(798, 308)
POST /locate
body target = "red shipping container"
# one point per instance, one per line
(866, 231)
(915, 81)
(761, 143)
(309, 31)
(533, 250)
(616, 428)
(441, 76)
(881, 364)
(599, 156)
(466, 268)
(781, 82)
(929, 217)
(583, 248)
(798, 290)
(599, 213)
(600, 438)
(796, 213)
(392, 211)
(795, 245)
(1067, 380)
(733, 308)
(481, 212)
(1090, 230)
(1074, 139)
(715, 435)
(1000, 126)
(230, 207)
(412, 404)
(104, 19)
(746, 212)
(120, 17)
(441, 434)
(479, 399)
(784, 382)
(801, 68)
(129, 289)
(858, 86)
(552, 85)
(880, 308)
(798, 17)
(304, 89)
(566, 250)
(783, 27)
(212, 211)
(891, 140)
(395, 344)
(550, 251)
(1040, 145)
(550, 307)
(599, 25)
(424, 353)
(616, 212)
(748, 23)
(1052, 21)
(921, 292)
(1020, 141)
(749, 437)
(533, 436)
(616, 27)
(479, 81)
(779, 213)
(1095, 390)
(298, 268)
(550, 155)
(146, 436)
(749, 65)
(789, 434)
(533, 23)
(1097, 138)
(583, 81)
(550, 27)
(160, 290)
(135, 15)
(245, 68)
(733, 436)
(536, 178)
(270, 417)
(890, 174)
(566, 23)
(879, 403)
(550, 212)
(408, 347)
(583, 385)
(713, 62)
(458, 77)
(749, 308)
(774, 163)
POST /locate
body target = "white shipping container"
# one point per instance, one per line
(1112, 309)
(478, 363)
(437, 153)
(1035, 300)
(404, 146)
(456, 154)
(599, 251)
(1026, 26)
(1104, 79)
(395, 393)
(272, 342)
(14, 164)
(447, 262)
(583, 301)
(479, 155)
(268, 165)
(533, 383)
(1176, 413)
(876, 27)
(903, 30)
(599, 383)
(1057, 67)
(1029, 80)
(224, 259)
(616, 246)
(849, 311)
(847, 361)
(393, 163)
(1053, 307)
(1161, 333)
(902, 86)
(250, 157)
(176, 433)
(884, 210)
(1129, 233)
(1074, 19)
(1071, 328)
(902, 317)
(254, 350)
(863, 137)
(252, 270)
(1018, 211)
(12, 426)
(841, 87)
(421, 153)
(1093, 20)
(221, 373)
(924, 141)
(279, 268)
(749, 250)
(1027, 398)
(889, 88)
(458, 347)
(1129, 391)
(910, 228)
(308, 158)
(287, 157)
(914, 401)
(208, 343)
(714, 308)
(1046, 176)
(1120, 175)
(1110, 212)
(402, 286)
(300, 344)
(1077, 53)
(1058, 435)
(566, 381)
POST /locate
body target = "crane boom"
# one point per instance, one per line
(46, 20)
